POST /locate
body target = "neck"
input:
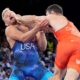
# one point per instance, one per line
(15, 23)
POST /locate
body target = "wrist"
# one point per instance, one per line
(42, 32)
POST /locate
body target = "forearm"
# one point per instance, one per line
(57, 72)
(42, 42)
(27, 19)
(30, 34)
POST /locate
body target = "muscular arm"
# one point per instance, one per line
(58, 74)
(26, 19)
(15, 34)
(41, 39)
(30, 19)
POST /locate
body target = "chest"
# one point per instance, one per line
(22, 28)
(27, 46)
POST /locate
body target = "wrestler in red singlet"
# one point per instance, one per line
(68, 48)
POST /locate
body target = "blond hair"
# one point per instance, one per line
(4, 11)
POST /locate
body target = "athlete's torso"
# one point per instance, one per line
(25, 53)
(67, 32)
(27, 60)
(19, 27)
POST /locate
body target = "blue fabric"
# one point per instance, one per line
(47, 76)
(27, 62)
(14, 78)
(25, 53)
(16, 74)
(38, 73)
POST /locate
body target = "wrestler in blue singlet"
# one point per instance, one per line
(27, 63)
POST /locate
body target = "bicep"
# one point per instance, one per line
(13, 33)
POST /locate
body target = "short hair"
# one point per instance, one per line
(56, 8)
(4, 11)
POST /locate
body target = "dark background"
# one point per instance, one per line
(26, 7)
(71, 8)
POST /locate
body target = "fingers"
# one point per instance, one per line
(44, 23)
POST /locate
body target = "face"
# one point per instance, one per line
(9, 17)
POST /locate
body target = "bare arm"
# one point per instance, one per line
(57, 74)
(57, 71)
(28, 19)
(15, 34)
(42, 42)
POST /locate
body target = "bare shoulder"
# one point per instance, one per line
(8, 34)
(8, 30)
(61, 20)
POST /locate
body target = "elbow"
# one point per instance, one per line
(22, 39)
(43, 48)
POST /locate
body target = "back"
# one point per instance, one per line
(67, 32)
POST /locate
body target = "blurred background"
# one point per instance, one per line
(26, 7)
